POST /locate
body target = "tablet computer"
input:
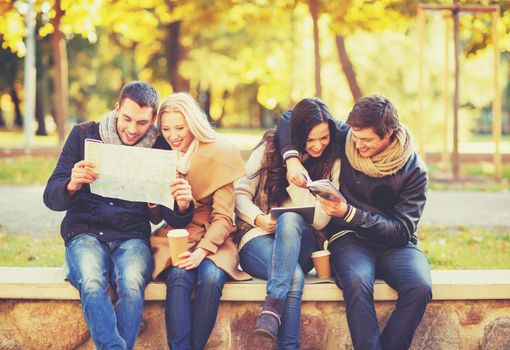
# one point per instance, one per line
(307, 212)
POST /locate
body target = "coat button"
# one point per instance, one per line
(100, 233)
(111, 203)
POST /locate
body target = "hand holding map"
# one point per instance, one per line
(132, 173)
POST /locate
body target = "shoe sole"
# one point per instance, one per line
(264, 333)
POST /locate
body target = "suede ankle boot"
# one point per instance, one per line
(270, 318)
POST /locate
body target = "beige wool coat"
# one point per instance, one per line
(212, 171)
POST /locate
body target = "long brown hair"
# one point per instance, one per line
(308, 113)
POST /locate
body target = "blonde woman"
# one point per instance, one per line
(210, 165)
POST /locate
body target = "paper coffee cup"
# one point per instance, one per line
(178, 243)
(320, 260)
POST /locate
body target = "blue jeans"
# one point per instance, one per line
(91, 266)
(356, 264)
(283, 260)
(190, 323)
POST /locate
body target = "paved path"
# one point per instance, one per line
(22, 210)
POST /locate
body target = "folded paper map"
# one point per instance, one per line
(132, 173)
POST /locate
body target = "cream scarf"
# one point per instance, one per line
(184, 158)
(108, 132)
(388, 162)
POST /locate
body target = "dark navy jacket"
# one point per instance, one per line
(106, 218)
(386, 210)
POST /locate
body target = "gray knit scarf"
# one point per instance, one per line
(108, 132)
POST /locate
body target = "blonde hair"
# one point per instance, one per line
(185, 104)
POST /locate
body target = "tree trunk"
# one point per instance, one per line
(204, 101)
(39, 109)
(42, 89)
(18, 118)
(59, 54)
(315, 17)
(174, 53)
(2, 120)
(349, 72)
(226, 95)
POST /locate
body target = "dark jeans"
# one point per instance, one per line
(189, 323)
(283, 259)
(356, 264)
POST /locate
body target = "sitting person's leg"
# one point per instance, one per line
(255, 259)
(288, 333)
(87, 266)
(179, 286)
(210, 281)
(408, 272)
(130, 274)
(290, 228)
(353, 267)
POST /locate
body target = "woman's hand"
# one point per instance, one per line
(188, 260)
(180, 189)
(266, 222)
(296, 172)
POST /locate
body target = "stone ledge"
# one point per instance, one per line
(45, 283)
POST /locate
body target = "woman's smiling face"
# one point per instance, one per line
(175, 131)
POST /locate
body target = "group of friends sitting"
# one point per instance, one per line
(224, 204)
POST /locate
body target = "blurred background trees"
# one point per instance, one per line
(244, 61)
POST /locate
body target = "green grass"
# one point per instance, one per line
(24, 251)
(450, 248)
(474, 177)
(16, 139)
(447, 248)
(26, 170)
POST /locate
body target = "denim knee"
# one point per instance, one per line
(211, 280)
(291, 224)
(421, 291)
(356, 284)
(179, 277)
(91, 284)
(131, 283)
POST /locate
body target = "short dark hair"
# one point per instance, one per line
(375, 112)
(144, 94)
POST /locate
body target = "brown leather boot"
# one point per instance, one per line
(270, 318)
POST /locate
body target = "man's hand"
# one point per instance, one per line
(265, 222)
(296, 172)
(82, 173)
(180, 189)
(188, 260)
(333, 208)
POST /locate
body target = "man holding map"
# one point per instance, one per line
(107, 239)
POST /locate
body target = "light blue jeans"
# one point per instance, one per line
(91, 266)
(283, 259)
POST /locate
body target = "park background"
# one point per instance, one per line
(246, 62)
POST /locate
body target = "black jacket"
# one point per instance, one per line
(107, 218)
(386, 211)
